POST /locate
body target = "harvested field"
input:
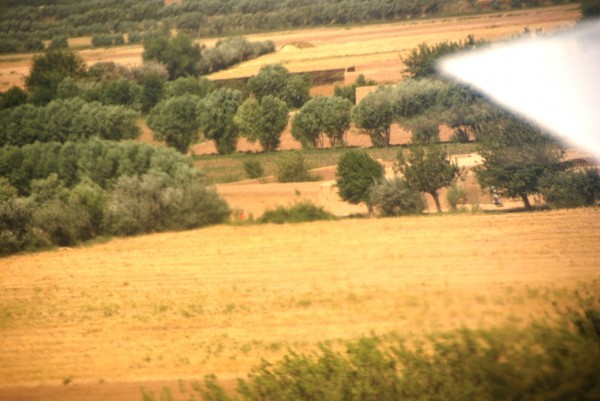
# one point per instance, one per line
(374, 50)
(100, 321)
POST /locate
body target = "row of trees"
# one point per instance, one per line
(60, 194)
(224, 114)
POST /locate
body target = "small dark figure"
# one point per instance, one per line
(495, 198)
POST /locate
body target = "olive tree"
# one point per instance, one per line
(262, 121)
(215, 118)
(175, 120)
(276, 80)
(427, 169)
(329, 116)
(374, 116)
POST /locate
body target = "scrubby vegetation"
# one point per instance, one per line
(395, 197)
(299, 212)
(62, 194)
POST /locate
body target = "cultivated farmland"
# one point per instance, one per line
(374, 50)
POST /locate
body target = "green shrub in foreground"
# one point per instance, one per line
(297, 213)
(541, 362)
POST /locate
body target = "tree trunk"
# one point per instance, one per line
(526, 201)
(436, 198)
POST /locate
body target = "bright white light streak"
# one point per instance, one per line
(553, 81)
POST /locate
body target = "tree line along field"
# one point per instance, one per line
(153, 310)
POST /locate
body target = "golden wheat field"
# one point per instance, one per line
(100, 321)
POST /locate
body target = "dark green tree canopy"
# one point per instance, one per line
(215, 118)
(276, 80)
(263, 122)
(320, 117)
(374, 116)
(13, 97)
(180, 54)
(356, 174)
(66, 120)
(175, 120)
(590, 9)
(49, 69)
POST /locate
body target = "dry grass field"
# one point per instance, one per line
(100, 321)
(374, 50)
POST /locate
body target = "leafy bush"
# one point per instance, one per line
(427, 169)
(216, 118)
(175, 121)
(297, 213)
(254, 169)
(422, 59)
(374, 115)
(456, 196)
(572, 188)
(329, 116)
(292, 168)
(62, 218)
(394, 197)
